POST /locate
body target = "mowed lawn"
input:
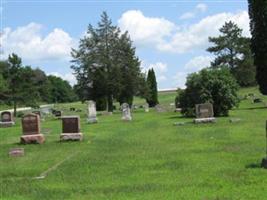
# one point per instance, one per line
(148, 158)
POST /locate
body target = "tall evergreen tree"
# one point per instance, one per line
(105, 65)
(232, 50)
(152, 96)
(258, 28)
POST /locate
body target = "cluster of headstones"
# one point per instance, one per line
(70, 124)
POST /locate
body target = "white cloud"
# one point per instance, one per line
(145, 30)
(27, 42)
(68, 77)
(159, 68)
(165, 36)
(195, 64)
(198, 63)
(201, 7)
(187, 15)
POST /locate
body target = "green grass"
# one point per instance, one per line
(147, 158)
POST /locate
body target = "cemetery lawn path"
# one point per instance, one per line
(148, 158)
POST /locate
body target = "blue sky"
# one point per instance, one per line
(170, 36)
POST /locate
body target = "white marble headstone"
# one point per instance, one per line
(91, 112)
(126, 112)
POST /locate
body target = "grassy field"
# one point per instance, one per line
(147, 158)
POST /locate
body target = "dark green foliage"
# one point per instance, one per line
(60, 91)
(22, 85)
(258, 27)
(216, 86)
(152, 95)
(105, 65)
(232, 50)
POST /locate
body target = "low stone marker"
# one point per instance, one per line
(234, 120)
(159, 108)
(58, 113)
(179, 123)
(71, 129)
(16, 152)
(91, 114)
(146, 106)
(126, 112)
(204, 113)
(6, 119)
(31, 130)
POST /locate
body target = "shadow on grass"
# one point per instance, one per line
(253, 166)
(255, 108)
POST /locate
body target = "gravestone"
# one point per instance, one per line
(71, 129)
(146, 106)
(159, 108)
(16, 152)
(6, 119)
(126, 112)
(31, 129)
(91, 117)
(204, 113)
(57, 113)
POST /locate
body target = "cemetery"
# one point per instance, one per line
(153, 100)
(146, 157)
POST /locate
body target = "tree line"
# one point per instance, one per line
(22, 85)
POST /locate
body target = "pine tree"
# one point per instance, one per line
(232, 50)
(258, 28)
(152, 96)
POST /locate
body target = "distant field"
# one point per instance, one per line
(147, 158)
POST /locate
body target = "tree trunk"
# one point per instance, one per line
(15, 108)
(110, 103)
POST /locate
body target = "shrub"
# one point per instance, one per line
(216, 86)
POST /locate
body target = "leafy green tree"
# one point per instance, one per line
(105, 65)
(216, 86)
(60, 90)
(152, 96)
(258, 28)
(232, 50)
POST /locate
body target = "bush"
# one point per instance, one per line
(216, 86)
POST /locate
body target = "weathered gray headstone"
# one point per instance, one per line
(204, 113)
(16, 152)
(6, 119)
(146, 106)
(31, 129)
(126, 112)
(91, 112)
(71, 128)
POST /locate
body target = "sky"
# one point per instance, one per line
(170, 36)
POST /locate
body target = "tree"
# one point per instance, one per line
(232, 50)
(105, 65)
(152, 96)
(258, 28)
(60, 90)
(216, 86)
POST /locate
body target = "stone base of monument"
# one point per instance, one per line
(205, 120)
(6, 124)
(126, 119)
(264, 163)
(32, 139)
(71, 137)
(92, 120)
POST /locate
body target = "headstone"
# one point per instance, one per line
(6, 119)
(126, 112)
(179, 123)
(58, 113)
(159, 108)
(204, 113)
(72, 109)
(31, 129)
(16, 152)
(91, 118)
(71, 129)
(146, 106)
(178, 110)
